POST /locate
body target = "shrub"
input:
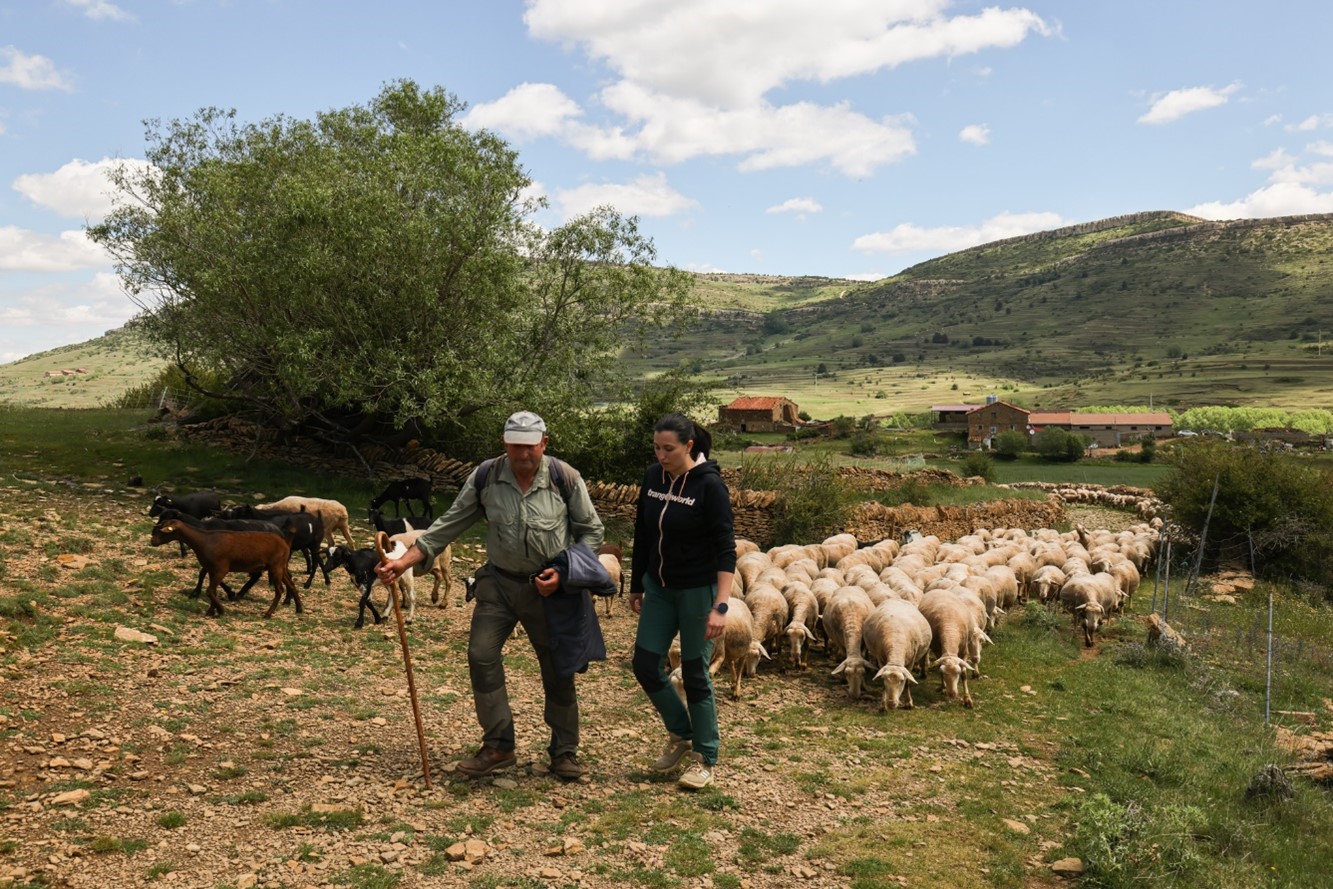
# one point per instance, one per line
(1009, 444)
(975, 463)
(1283, 504)
(867, 443)
(1058, 445)
(815, 500)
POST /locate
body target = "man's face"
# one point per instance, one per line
(526, 459)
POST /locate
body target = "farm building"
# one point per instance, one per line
(992, 418)
(760, 414)
(1105, 430)
(951, 417)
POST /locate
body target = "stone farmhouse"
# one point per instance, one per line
(986, 421)
(760, 414)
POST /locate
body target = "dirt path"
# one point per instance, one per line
(238, 752)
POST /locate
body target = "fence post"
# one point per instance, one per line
(1203, 539)
(1166, 586)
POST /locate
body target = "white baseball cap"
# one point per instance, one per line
(524, 428)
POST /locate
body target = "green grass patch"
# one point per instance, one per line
(171, 820)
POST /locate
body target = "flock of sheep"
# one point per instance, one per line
(892, 612)
(888, 612)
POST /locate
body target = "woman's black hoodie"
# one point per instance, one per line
(682, 533)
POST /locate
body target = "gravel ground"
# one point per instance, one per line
(238, 752)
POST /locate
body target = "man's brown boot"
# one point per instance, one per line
(487, 760)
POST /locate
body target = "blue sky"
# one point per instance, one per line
(844, 138)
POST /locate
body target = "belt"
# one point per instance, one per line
(516, 576)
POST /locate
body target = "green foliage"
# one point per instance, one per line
(374, 268)
(616, 443)
(1243, 419)
(171, 820)
(978, 463)
(1009, 444)
(1285, 504)
(815, 501)
(867, 443)
(1058, 445)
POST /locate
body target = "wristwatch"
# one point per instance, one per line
(720, 607)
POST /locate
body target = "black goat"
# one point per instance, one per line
(360, 564)
(200, 504)
(404, 491)
(308, 538)
(397, 526)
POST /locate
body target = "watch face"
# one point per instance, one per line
(720, 607)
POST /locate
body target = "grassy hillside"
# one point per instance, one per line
(1155, 305)
(116, 361)
(1152, 307)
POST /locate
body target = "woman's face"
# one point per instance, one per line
(672, 453)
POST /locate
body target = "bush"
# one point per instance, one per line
(867, 443)
(976, 463)
(1009, 444)
(815, 501)
(1283, 504)
(1058, 445)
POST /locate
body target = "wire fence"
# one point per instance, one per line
(166, 398)
(1266, 651)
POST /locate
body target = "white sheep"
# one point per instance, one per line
(768, 616)
(897, 638)
(803, 613)
(951, 626)
(331, 512)
(844, 620)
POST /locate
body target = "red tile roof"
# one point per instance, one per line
(756, 403)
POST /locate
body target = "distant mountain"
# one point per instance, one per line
(87, 374)
(1151, 307)
(1109, 312)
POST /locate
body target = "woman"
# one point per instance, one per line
(683, 564)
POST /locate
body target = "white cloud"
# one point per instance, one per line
(797, 205)
(757, 255)
(1311, 123)
(908, 238)
(694, 76)
(1272, 119)
(1177, 103)
(60, 313)
(865, 276)
(1280, 199)
(977, 134)
(101, 10)
(526, 111)
(732, 54)
(704, 268)
(22, 250)
(78, 189)
(1287, 168)
(31, 72)
(648, 195)
(672, 130)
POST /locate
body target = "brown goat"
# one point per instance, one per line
(220, 552)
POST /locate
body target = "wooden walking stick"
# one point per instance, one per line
(381, 546)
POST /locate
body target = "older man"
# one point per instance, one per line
(535, 507)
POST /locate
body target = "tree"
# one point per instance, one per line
(1009, 444)
(373, 269)
(1059, 445)
(1285, 504)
